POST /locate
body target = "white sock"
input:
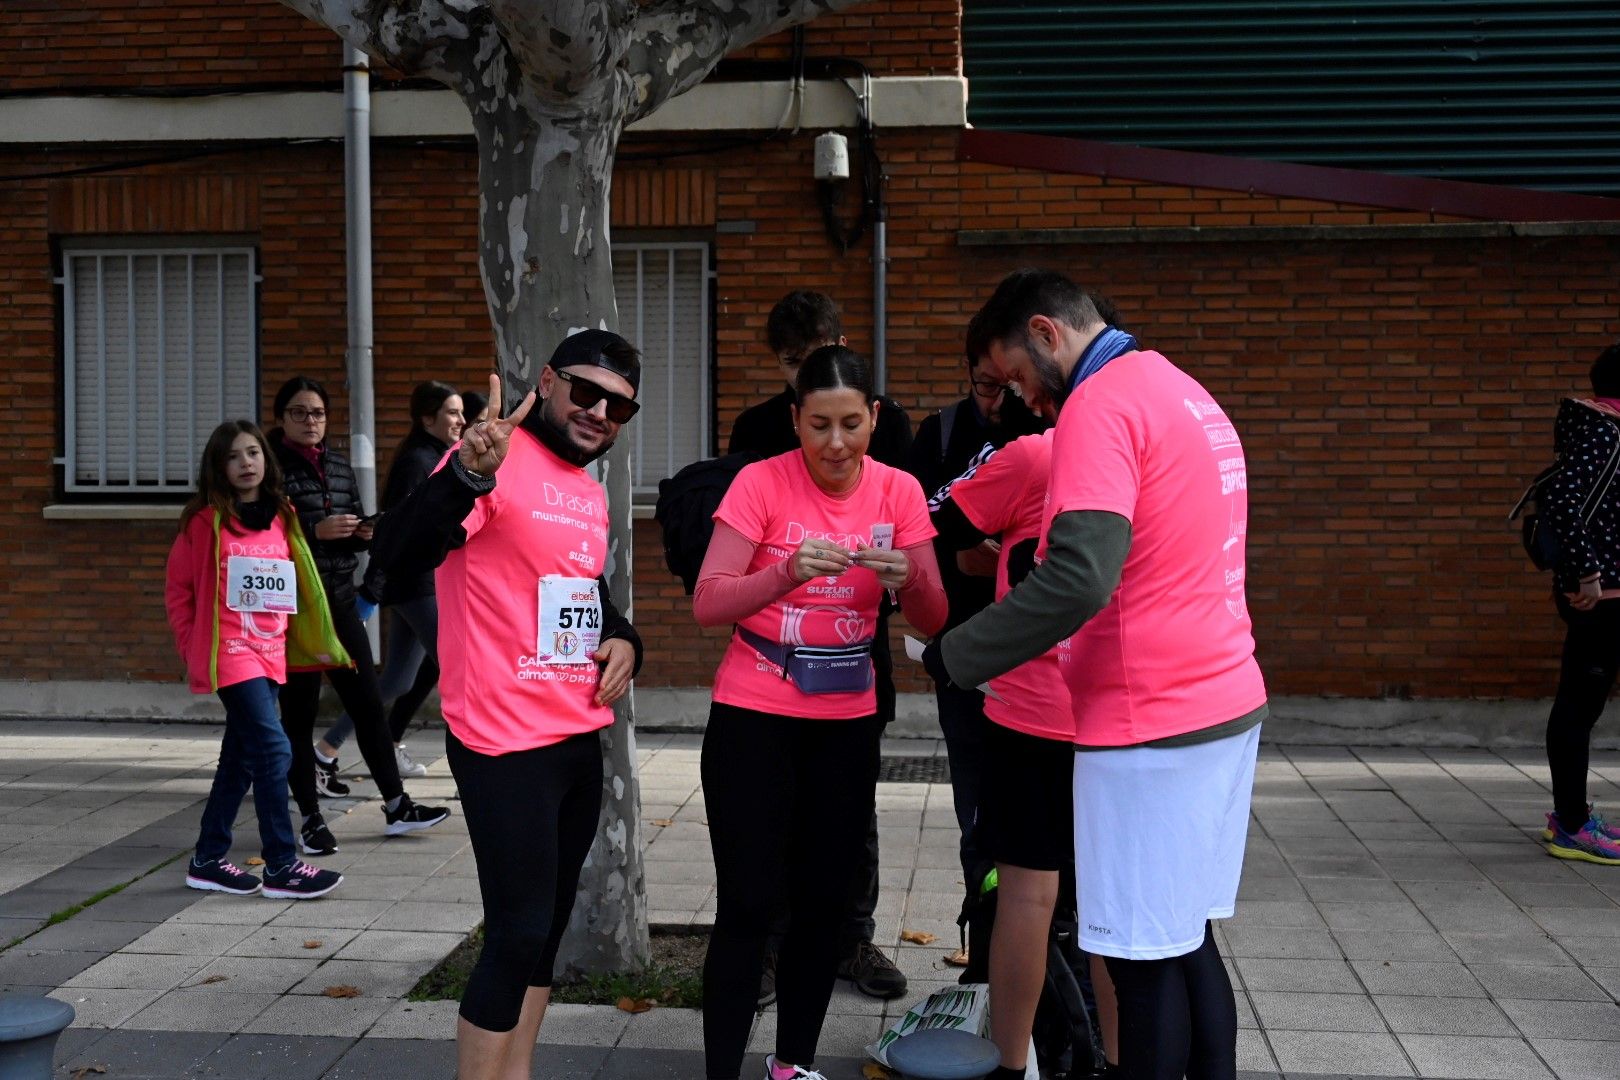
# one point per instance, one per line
(323, 759)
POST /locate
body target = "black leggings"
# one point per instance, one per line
(1591, 659)
(1177, 1016)
(531, 816)
(358, 690)
(789, 803)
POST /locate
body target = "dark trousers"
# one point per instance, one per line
(357, 688)
(1177, 1017)
(531, 817)
(789, 802)
(965, 727)
(252, 754)
(1585, 678)
(410, 669)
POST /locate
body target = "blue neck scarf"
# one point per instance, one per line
(1106, 346)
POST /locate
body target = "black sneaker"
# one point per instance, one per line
(410, 817)
(300, 881)
(873, 973)
(767, 979)
(221, 875)
(315, 838)
(327, 784)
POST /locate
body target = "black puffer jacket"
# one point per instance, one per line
(418, 456)
(315, 498)
(1586, 437)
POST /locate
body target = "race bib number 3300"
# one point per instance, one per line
(570, 619)
(267, 585)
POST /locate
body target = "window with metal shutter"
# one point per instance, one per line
(663, 297)
(160, 346)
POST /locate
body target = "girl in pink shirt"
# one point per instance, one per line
(805, 544)
(232, 583)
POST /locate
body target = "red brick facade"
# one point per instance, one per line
(1393, 394)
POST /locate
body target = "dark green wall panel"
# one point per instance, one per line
(1521, 93)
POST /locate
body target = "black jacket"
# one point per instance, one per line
(415, 461)
(766, 429)
(1585, 439)
(415, 536)
(935, 465)
(317, 497)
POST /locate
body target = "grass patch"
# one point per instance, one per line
(673, 979)
(68, 912)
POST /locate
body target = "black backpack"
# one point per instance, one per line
(1068, 1042)
(685, 511)
(1538, 539)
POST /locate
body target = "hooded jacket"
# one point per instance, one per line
(1586, 435)
(191, 595)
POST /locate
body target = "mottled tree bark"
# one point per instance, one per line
(551, 85)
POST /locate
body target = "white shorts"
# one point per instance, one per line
(1158, 843)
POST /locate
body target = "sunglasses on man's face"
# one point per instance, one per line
(585, 394)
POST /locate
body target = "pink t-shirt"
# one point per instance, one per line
(777, 505)
(498, 692)
(252, 644)
(1173, 652)
(1006, 495)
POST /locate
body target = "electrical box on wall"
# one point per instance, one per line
(832, 156)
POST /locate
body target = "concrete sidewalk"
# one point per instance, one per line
(1398, 918)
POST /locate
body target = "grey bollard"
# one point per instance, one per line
(943, 1054)
(29, 1027)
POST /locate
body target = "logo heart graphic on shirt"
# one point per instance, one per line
(851, 628)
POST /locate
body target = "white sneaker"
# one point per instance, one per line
(798, 1073)
(408, 766)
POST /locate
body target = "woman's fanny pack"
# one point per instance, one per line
(814, 669)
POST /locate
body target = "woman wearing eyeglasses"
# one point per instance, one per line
(805, 545)
(321, 486)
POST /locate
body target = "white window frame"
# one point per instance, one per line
(645, 488)
(72, 253)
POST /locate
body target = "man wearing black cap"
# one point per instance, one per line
(532, 655)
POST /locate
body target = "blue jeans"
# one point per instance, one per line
(413, 636)
(254, 753)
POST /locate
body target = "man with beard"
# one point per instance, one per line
(532, 655)
(1143, 562)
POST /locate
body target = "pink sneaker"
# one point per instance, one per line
(1588, 845)
(1602, 825)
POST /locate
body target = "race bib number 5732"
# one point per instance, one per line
(570, 619)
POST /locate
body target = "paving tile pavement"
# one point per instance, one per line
(1397, 918)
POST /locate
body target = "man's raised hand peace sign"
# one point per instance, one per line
(484, 445)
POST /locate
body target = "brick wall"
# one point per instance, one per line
(114, 45)
(1393, 395)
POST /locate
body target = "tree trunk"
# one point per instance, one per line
(551, 86)
(543, 184)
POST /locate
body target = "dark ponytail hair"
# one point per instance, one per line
(297, 385)
(428, 398)
(426, 401)
(834, 367)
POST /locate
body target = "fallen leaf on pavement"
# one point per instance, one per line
(255, 861)
(341, 991)
(959, 958)
(636, 1005)
(80, 1074)
(312, 944)
(211, 980)
(873, 1071)
(918, 937)
(662, 822)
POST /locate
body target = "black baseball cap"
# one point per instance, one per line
(587, 349)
